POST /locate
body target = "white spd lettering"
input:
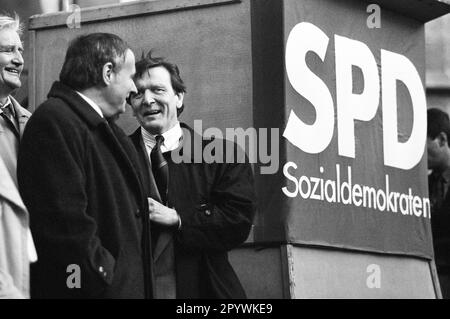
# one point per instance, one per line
(350, 107)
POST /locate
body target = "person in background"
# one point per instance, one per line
(438, 139)
(16, 244)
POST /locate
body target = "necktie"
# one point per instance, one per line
(160, 168)
(10, 119)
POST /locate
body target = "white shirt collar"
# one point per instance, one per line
(8, 101)
(92, 104)
(172, 139)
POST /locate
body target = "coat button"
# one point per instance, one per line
(207, 212)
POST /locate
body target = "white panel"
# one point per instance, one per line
(323, 273)
(259, 271)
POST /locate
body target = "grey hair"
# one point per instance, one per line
(13, 23)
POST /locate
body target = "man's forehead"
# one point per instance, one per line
(431, 139)
(140, 81)
(129, 56)
(143, 80)
(9, 37)
(153, 75)
(125, 60)
(6, 31)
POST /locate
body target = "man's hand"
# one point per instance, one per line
(161, 214)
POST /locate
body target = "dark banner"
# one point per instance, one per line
(355, 128)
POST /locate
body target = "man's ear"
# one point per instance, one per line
(180, 99)
(442, 139)
(107, 72)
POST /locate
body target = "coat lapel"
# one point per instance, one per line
(119, 145)
(165, 236)
(117, 139)
(145, 161)
(22, 115)
(164, 239)
(8, 189)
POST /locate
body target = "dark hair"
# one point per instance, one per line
(86, 56)
(148, 62)
(438, 121)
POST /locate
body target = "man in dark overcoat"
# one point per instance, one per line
(77, 175)
(200, 208)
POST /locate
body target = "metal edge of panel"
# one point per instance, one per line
(117, 11)
(355, 249)
(323, 246)
(435, 279)
(32, 72)
(421, 10)
(287, 269)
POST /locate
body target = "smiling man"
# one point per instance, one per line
(16, 245)
(77, 175)
(199, 211)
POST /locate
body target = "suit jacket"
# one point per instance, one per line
(88, 212)
(440, 224)
(14, 228)
(216, 203)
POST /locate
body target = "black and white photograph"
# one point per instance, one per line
(225, 154)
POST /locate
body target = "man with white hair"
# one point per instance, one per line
(16, 245)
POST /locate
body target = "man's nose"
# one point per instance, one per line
(18, 58)
(148, 97)
(133, 88)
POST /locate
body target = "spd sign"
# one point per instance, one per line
(355, 174)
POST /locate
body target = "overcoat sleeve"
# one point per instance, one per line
(224, 221)
(51, 180)
(7, 288)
